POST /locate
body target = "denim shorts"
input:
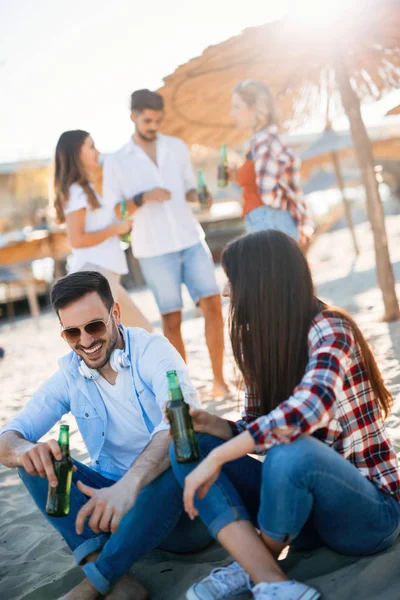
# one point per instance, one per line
(266, 217)
(165, 274)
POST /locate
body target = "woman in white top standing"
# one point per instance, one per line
(92, 227)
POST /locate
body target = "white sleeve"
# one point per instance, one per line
(77, 199)
(112, 189)
(187, 169)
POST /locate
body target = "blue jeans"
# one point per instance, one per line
(165, 274)
(304, 493)
(266, 217)
(156, 520)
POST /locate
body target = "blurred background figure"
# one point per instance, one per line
(152, 174)
(92, 228)
(270, 174)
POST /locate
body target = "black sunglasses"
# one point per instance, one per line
(94, 328)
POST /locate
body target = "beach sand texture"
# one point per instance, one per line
(35, 563)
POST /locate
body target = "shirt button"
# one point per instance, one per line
(97, 462)
(102, 434)
(86, 414)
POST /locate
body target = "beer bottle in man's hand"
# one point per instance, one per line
(185, 443)
(127, 237)
(223, 172)
(58, 497)
(202, 190)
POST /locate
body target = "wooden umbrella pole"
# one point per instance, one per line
(346, 203)
(362, 145)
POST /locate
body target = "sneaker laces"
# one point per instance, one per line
(223, 581)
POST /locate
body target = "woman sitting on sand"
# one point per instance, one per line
(270, 175)
(92, 226)
(315, 404)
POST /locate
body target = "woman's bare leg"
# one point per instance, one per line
(252, 552)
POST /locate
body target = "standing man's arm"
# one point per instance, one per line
(113, 193)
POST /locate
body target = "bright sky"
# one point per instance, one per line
(69, 64)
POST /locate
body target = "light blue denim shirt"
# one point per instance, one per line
(151, 355)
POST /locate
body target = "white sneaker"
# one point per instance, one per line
(220, 584)
(284, 590)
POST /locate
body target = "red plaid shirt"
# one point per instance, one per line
(278, 178)
(334, 402)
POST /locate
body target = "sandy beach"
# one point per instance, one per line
(36, 564)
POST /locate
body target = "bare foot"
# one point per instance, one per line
(83, 591)
(128, 588)
(221, 391)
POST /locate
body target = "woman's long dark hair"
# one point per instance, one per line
(69, 170)
(272, 306)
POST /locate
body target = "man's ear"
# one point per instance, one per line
(116, 311)
(133, 117)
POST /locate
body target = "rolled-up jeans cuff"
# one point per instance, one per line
(89, 546)
(231, 514)
(96, 578)
(285, 538)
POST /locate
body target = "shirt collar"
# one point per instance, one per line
(264, 133)
(132, 148)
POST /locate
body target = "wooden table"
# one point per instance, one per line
(16, 259)
(39, 244)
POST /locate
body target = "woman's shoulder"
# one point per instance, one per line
(332, 327)
(269, 140)
(77, 198)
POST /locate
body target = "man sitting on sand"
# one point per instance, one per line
(114, 383)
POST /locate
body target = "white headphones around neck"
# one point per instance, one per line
(119, 361)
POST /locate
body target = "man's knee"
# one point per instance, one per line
(211, 306)
(172, 322)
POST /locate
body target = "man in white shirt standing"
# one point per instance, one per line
(152, 173)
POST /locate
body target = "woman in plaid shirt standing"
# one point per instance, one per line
(315, 405)
(270, 175)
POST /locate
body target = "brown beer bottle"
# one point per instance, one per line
(202, 190)
(58, 498)
(223, 173)
(185, 443)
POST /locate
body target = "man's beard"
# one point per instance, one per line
(145, 138)
(110, 348)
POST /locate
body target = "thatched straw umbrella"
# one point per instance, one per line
(355, 58)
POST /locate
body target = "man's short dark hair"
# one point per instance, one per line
(145, 99)
(75, 286)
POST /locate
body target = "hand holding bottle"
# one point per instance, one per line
(38, 460)
(205, 422)
(123, 227)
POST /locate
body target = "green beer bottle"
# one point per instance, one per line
(127, 237)
(202, 190)
(58, 497)
(185, 442)
(223, 174)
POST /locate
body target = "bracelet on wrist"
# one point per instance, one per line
(138, 199)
